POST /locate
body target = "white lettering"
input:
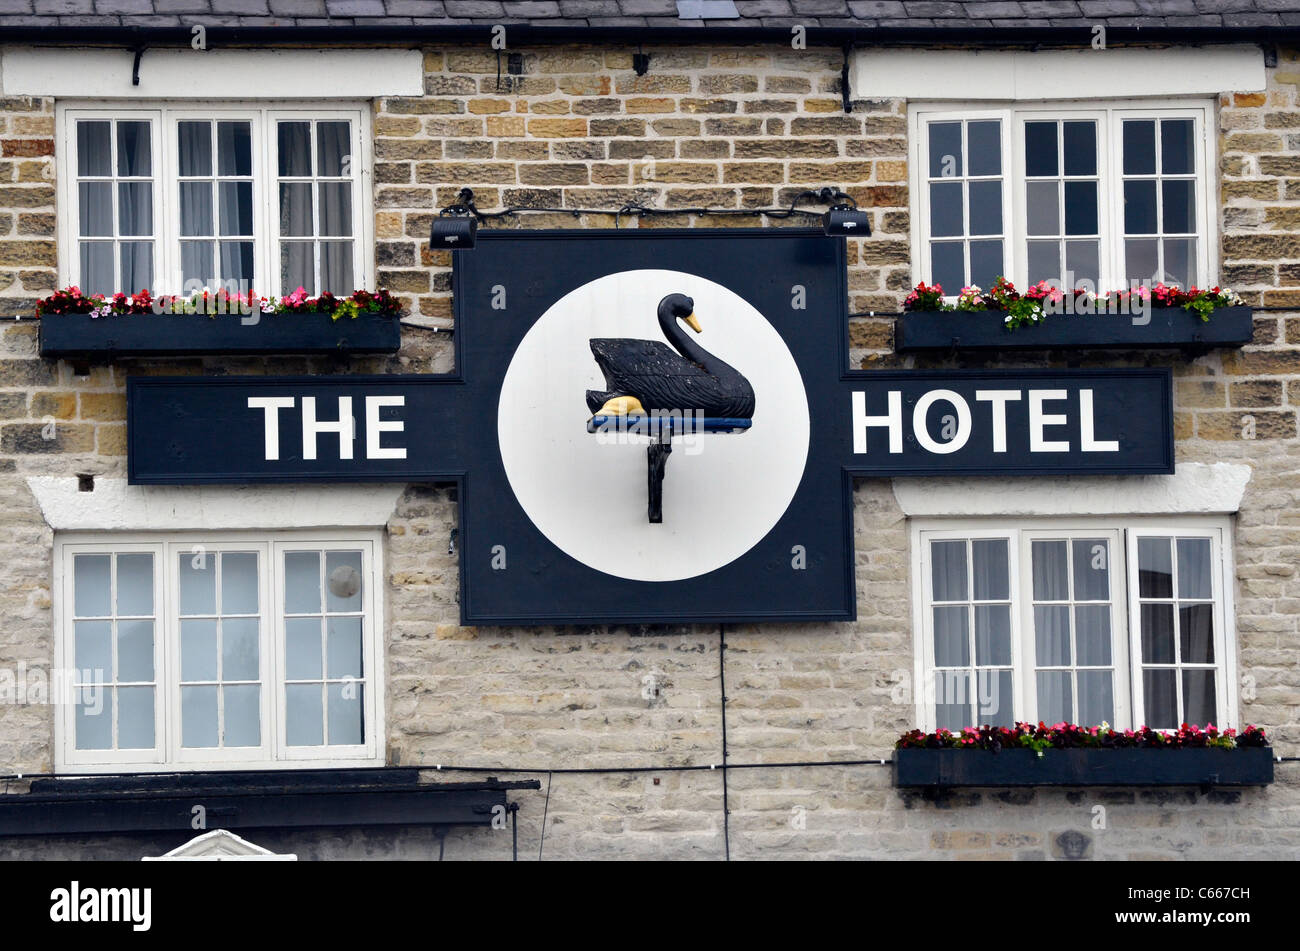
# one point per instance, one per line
(999, 400)
(345, 426)
(1038, 421)
(271, 406)
(374, 427)
(1087, 442)
(929, 443)
(893, 419)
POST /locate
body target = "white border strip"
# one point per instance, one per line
(196, 74)
(1194, 489)
(1054, 74)
(116, 506)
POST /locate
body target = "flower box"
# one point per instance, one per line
(83, 337)
(1168, 328)
(936, 768)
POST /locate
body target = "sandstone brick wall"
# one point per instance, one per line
(727, 128)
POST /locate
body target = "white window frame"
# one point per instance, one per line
(1110, 210)
(1125, 630)
(167, 238)
(274, 752)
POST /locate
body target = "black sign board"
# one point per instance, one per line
(558, 334)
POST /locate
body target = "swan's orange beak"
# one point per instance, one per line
(693, 323)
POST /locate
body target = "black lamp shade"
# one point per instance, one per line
(847, 221)
(453, 233)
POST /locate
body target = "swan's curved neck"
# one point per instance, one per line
(675, 333)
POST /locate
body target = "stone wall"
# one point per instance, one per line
(726, 128)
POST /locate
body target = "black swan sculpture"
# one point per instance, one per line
(646, 376)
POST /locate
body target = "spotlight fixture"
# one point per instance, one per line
(843, 217)
(456, 226)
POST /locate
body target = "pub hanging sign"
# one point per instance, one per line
(651, 427)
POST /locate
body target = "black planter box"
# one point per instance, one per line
(1170, 327)
(80, 336)
(1084, 767)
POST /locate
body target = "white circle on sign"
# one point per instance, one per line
(587, 493)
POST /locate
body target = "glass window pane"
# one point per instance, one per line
(948, 570)
(343, 637)
(295, 209)
(199, 717)
(236, 202)
(97, 268)
(133, 154)
(1193, 568)
(1050, 571)
(985, 262)
(90, 579)
(1055, 697)
(1177, 147)
(1043, 207)
(953, 696)
(951, 637)
(135, 584)
(333, 148)
(198, 650)
(1140, 260)
(293, 140)
(198, 582)
(94, 148)
(135, 651)
(302, 648)
(1139, 147)
(194, 148)
(335, 208)
(305, 715)
(1198, 698)
(1052, 635)
(135, 720)
(94, 718)
(1096, 697)
(985, 208)
(1155, 568)
(993, 635)
(1179, 197)
(1080, 148)
(345, 714)
(93, 650)
(196, 262)
(239, 582)
(1140, 207)
(1157, 633)
(1040, 148)
(984, 146)
(234, 148)
(945, 149)
(1083, 261)
(241, 707)
(1160, 698)
(989, 558)
(1196, 633)
(343, 581)
(947, 265)
(196, 208)
(945, 209)
(336, 267)
(1092, 634)
(137, 265)
(1180, 261)
(297, 267)
(995, 698)
(237, 263)
(95, 209)
(1081, 208)
(1044, 261)
(239, 651)
(301, 582)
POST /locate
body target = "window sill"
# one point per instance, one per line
(924, 768)
(80, 336)
(1169, 327)
(290, 799)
